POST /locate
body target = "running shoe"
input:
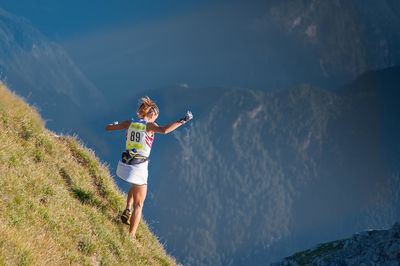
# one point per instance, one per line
(126, 216)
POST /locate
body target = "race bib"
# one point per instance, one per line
(135, 138)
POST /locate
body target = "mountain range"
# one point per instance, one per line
(261, 45)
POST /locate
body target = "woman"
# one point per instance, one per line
(134, 162)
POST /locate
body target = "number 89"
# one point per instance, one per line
(135, 136)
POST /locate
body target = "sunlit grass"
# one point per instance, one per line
(58, 204)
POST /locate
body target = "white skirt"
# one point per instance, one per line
(135, 174)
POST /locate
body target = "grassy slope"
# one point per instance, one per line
(58, 204)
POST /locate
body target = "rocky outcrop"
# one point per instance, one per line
(373, 247)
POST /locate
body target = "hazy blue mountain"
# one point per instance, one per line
(345, 38)
(43, 73)
(258, 176)
(259, 44)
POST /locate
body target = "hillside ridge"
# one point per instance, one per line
(58, 203)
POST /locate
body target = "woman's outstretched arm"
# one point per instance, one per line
(164, 129)
(118, 126)
(170, 127)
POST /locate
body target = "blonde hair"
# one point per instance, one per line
(147, 107)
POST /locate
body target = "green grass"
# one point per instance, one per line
(58, 203)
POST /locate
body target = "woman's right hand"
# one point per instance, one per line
(187, 117)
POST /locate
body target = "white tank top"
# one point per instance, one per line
(137, 139)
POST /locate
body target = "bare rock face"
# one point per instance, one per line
(373, 247)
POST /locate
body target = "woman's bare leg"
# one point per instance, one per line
(139, 195)
(129, 199)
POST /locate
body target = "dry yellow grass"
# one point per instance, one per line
(58, 204)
